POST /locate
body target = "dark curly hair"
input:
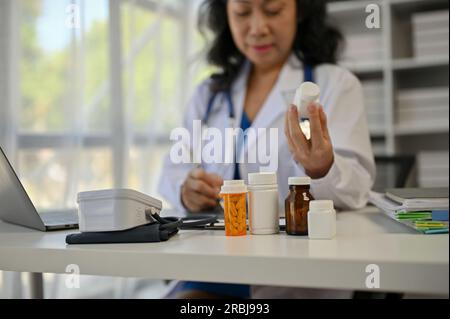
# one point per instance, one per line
(316, 42)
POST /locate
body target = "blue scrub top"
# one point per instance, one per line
(245, 124)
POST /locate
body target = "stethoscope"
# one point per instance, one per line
(231, 115)
(308, 77)
(173, 224)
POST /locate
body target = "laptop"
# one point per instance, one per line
(17, 208)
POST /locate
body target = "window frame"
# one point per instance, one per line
(119, 139)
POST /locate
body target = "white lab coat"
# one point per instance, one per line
(352, 174)
(350, 177)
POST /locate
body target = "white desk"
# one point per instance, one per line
(408, 261)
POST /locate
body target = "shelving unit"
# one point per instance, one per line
(389, 55)
(416, 63)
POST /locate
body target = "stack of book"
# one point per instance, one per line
(423, 108)
(374, 102)
(423, 209)
(363, 48)
(433, 168)
(430, 34)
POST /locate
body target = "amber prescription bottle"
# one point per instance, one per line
(234, 194)
(297, 205)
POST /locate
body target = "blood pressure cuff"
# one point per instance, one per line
(149, 233)
(160, 230)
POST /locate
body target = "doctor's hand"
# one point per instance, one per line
(316, 155)
(200, 190)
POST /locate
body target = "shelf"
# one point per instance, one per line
(377, 133)
(410, 6)
(408, 130)
(364, 67)
(420, 63)
(345, 7)
(397, 69)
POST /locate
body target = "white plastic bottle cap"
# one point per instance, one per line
(319, 205)
(263, 178)
(233, 187)
(299, 181)
(310, 91)
(307, 92)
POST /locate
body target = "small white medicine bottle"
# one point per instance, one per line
(307, 93)
(263, 216)
(321, 219)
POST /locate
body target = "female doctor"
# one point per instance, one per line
(263, 49)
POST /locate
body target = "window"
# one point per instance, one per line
(93, 90)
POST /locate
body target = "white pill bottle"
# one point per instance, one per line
(263, 216)
(321, 219)
(307, 93)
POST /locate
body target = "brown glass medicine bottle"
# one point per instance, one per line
(297, 206)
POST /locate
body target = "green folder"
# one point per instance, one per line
(431, 227)
(437, 231)
(423, 215)
(414, 217)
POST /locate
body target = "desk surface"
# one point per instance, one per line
(408, 261)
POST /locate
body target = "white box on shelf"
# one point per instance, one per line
(432, 50)
(424, 125)
(426, 68)
(424, 33)
(365, 47)
(426, 108)
(433, 168)
(431, 37)
(423, 93)
(434, 158)
(430, 20)
(432, 104)
(363, 42)
(423, 113)
(358, 57)
(426, 181)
